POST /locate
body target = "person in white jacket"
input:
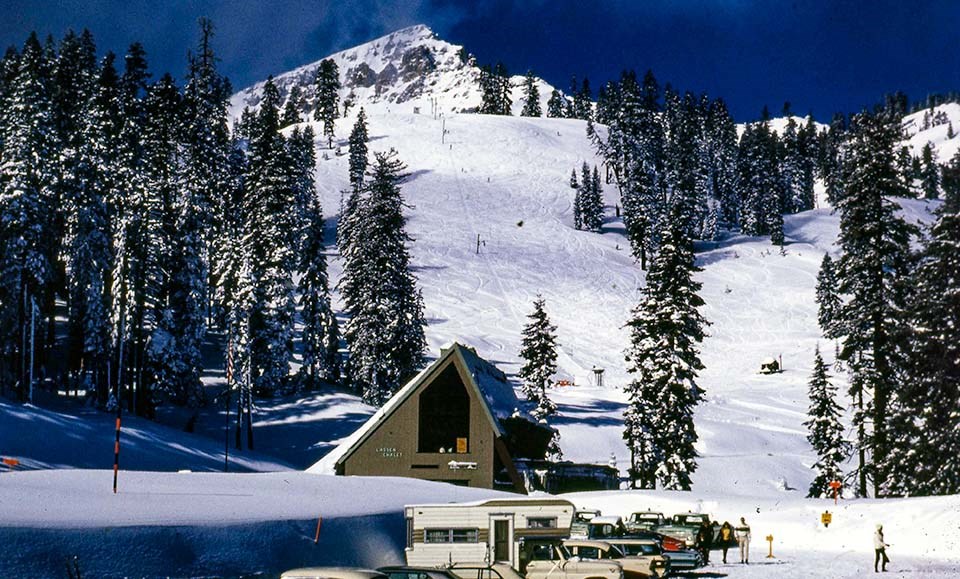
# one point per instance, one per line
(742, 533)
(880, 548)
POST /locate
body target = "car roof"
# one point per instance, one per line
(406, 568)
(648, 512)
(632, 541)
(606, 520)
(586, 543)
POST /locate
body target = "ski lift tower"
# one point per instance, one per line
(598, 377)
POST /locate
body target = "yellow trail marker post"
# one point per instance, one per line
(826, 518)
(770, 541)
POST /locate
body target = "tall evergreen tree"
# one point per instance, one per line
(328, 99)
(925, 443)
(271, 236)
(555, 105)
(320, 334)
(531, 97)
(293, 108)
(828, 299)
(825, 430)
(27, 201)
(539, 353)
(873, 270)
(384, 332)
(663, 358)
(929, 173)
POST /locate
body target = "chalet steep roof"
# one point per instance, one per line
(496, 390)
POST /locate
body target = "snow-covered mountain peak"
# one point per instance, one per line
(407, 70)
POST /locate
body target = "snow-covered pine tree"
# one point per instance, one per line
(350, 200)
(577, 200)
(328, 100)
(205, 176)
(873, 271)
(583, 101)
(825, 430)
(531, 97)
(722, 135)
(555, 105)
(503, 88)
(591, 200)
(27, 200)
(161, 172)
(75, 81)
(319, 323)
(925, 444)
(384, 332)
(271, 237)
(665, 329)
(358, 150)
(829, 303)
(929, 173)
(130, 233)
(293, 108)
(832, 157)
(539, 353)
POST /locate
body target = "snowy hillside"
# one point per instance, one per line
(407, 69)
(933, 126)
(505, 179)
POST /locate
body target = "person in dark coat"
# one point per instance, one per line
(705, 542)
(726, 538)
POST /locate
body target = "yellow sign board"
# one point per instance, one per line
(461, 446)
(826, 518)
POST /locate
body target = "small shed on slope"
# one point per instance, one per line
(457, 422)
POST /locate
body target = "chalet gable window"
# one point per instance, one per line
(444, 424)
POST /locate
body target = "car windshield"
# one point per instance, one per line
(642, 517)
(635, 549)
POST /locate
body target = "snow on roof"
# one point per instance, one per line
(537, 498)
(490, 380)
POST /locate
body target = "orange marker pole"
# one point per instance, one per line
(316, 538)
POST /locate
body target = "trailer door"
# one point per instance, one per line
(502, 540)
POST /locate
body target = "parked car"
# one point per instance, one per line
(602, 528)
(667, 543)
(332, 573)
(554, 561)
(684, 526)
(578, 528)
(678, 559)
(634, 566)
(645, 521)
(404, 572)
(483, 571)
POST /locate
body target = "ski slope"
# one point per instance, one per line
(506, 180)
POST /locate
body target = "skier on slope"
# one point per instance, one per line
(880, 549)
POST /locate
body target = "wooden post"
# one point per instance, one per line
(770, 541)
(478, 244)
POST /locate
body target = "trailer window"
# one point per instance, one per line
(542, 523)
(451, 536)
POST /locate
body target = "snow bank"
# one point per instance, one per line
(204, 524)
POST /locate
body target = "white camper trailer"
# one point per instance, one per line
(491, 531)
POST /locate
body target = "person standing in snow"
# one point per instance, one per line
(742, 533)
(726, 538)
(704, 543)
(880, 547)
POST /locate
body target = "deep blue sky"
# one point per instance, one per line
(822, 56)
